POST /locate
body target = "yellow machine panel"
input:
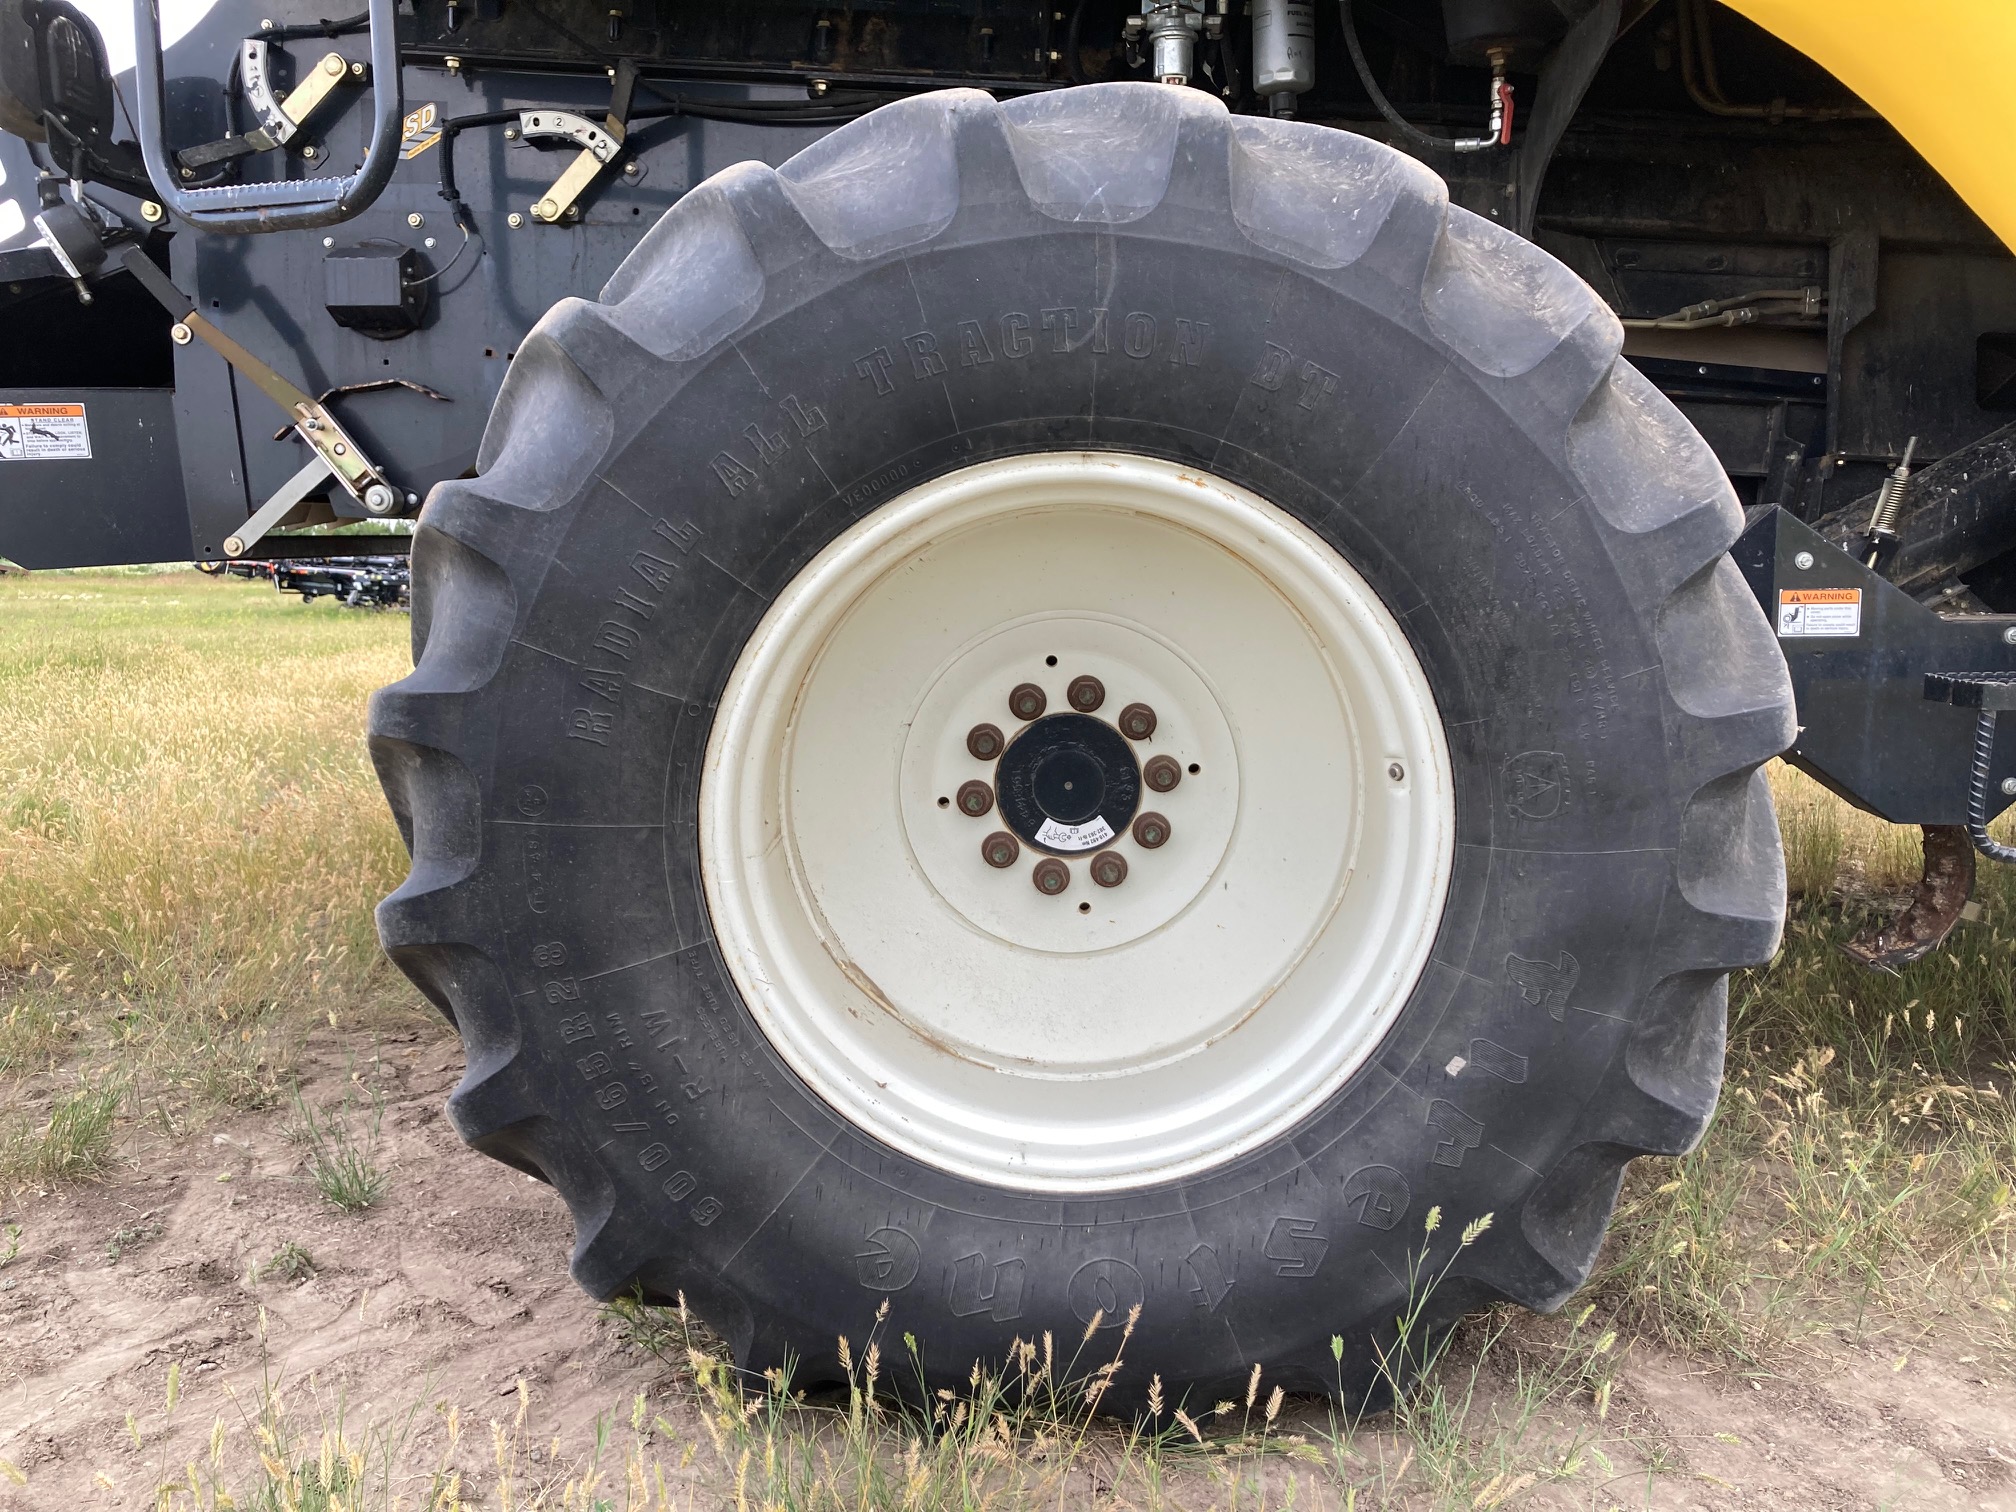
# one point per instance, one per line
(1938, 70)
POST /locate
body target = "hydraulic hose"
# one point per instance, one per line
(1499, 133)
(1977, 791)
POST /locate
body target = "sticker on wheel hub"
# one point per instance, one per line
(1074, 837)
(44, 433)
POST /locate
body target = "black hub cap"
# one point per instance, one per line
(1068, 784)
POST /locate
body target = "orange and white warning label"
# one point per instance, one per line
(44, 433)
(1819, 611)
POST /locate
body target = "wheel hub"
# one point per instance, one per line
(1067, 895)
(1068, 784)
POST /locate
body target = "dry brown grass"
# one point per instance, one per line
(1859, 1171)
(191, 839)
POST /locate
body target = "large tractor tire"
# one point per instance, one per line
(1079, 705)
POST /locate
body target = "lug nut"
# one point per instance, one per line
(1051, 876)
(1109, 868)
(1151, 831)
(983, 742)
(1162, 773)
(1137, 721)
(1026, 701)
(1000, 850)
(1085, 693)
(975, 798)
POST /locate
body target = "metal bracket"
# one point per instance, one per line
(279, 121)
(337, 455)
(308, 95)
(565, 126)
(599, 145)
(255, 71)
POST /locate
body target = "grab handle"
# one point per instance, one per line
(279, 205)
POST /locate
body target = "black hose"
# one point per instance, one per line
(748, 112)
(1074, 65)
(451, 128)
(343, 28)
(1385, 106)
(1234, 82)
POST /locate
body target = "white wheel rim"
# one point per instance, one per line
(1240, 973)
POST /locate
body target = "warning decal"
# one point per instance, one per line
(44, 433)
(1819, 611)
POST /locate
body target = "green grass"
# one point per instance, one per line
(131, 1236)
(75, 1140)
(290, 1262)
(342, 1162)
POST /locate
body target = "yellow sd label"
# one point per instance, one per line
(420, 130)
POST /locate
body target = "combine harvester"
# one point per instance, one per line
(1071, 659)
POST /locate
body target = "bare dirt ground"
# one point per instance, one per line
(453, 1289)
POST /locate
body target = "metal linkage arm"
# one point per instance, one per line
(336, 454)
(280, 205)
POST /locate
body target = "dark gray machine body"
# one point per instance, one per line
(177, 465)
